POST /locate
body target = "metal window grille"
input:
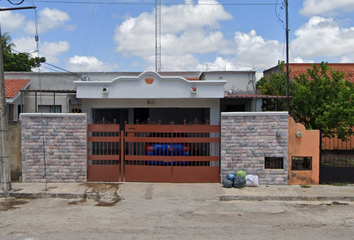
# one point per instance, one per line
(301, 163)
(274, 163)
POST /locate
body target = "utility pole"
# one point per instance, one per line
(5, 171)
(287, 56)
(157, 35)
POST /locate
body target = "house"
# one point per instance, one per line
(13, 89)
(218, 113)
(301, 68)
(135, 97)
(201, 95)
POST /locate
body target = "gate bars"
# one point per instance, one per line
(191, 153)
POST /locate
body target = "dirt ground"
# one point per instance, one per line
(174, 218)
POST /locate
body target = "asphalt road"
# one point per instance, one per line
(174, 218)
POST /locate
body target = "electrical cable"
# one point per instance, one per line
(174, 60)
(89, 34)
(214, 23)
(143, 3)
(184, 34)
(211, 43)
(137, 41)
(281, 22)
(15, 3)
(40, 99)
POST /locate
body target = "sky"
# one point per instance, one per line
(196, 35)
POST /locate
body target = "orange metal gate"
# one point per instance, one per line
(105, 152)
(154, 153)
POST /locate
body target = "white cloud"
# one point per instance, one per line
(49, 19)
(254, 51)
(49, 50)
(11, 21)
(55, 48)
(321, 7)
(322, 37)
(219, 64)
(300, 60)
(87, 64)
(25, 44)
(347, 59)
(188, 31)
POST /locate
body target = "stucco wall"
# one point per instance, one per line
(308, 145)
(242, 82)
(247, 138)
(14, 138)
(65, 147)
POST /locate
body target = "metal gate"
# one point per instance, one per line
(154, 153)
(337, 160)
(105, 152)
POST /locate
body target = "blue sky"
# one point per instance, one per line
(118, 35)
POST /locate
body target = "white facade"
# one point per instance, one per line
(153, 91)
(165, 93)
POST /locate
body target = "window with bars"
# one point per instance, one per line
(301, 163)
(49, 109)
(274, 163)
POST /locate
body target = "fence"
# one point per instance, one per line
(337, 160)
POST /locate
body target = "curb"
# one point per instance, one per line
(285, 198)
(49, 195)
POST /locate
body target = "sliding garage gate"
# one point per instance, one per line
(154, 153)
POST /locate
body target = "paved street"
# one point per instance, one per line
(147, 216)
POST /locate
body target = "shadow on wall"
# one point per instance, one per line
(14, 138)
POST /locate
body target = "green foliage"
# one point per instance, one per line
(321, 99)
(276, 86)
(19, 62)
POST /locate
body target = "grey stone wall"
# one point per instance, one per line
(248, 137)
(64, 143)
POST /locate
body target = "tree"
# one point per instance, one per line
(321, 99)
(324, 101)
(19, 62)
(275, 86)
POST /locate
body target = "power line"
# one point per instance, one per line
(185, 34)
(152, 3)
(61, 68)
(174, 60)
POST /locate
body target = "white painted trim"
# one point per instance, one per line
(237, 114)
(52, 114)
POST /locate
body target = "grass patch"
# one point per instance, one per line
(339, 184)
(305, 186)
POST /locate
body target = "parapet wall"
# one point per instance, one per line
(248, 138)
(65, 147)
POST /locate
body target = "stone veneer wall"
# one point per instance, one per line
(248, 137)
(65, 147)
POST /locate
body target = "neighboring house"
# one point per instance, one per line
(12, 94)
(178, 95)
(301, 68)
(335, 154)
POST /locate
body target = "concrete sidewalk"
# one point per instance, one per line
(129, 190)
